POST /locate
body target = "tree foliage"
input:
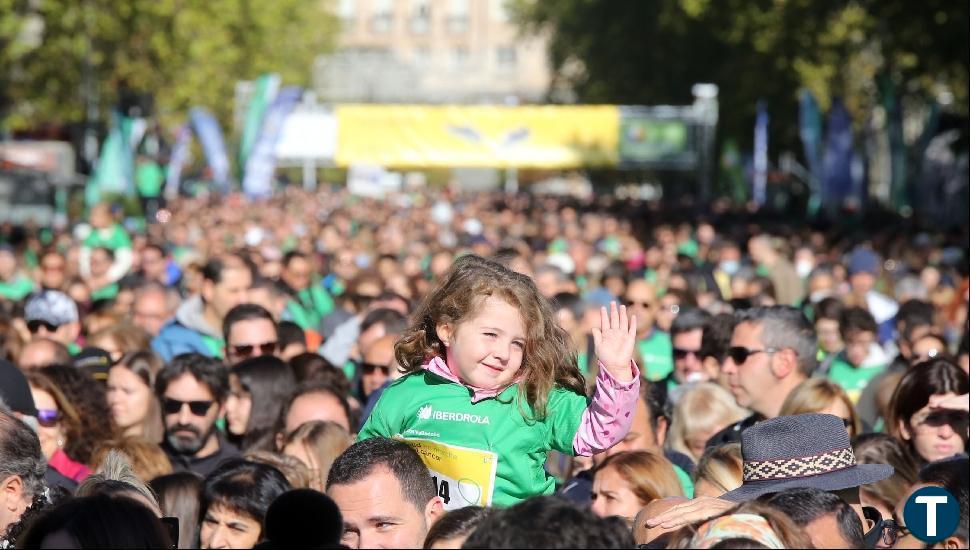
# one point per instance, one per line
(652, 51)
(183, 52)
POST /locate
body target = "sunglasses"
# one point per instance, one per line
(48, 418)
(174, 406)
(740, 354)
(644, 305)
(266, 348)
(369, 368)
(958, 420)
(680, 353)
(35, 325)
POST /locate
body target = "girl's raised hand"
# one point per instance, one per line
(614, 341)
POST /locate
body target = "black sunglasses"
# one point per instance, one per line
(369, 368)
(644, 305)
(740, 354)
(174, 406)
(34, 326)
(266, 348)
(680, 353)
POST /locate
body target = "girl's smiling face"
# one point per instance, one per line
(486, 350)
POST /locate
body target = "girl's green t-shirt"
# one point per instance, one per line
(485, 453)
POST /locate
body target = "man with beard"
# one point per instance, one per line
(192, 390)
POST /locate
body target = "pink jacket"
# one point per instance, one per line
(68, 467)
(606, 420)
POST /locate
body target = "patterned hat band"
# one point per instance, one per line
(805, 466)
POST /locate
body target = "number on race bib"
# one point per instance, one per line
(443, 489)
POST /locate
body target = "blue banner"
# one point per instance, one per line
(837, 161)
(760, 180)
(210, 137)
(178, 158)
(810, 131)
(258, 176)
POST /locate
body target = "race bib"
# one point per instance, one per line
(463, 476)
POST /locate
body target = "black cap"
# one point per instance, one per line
(94, 362)
(15, 391)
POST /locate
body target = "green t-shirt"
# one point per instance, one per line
(311, 306)
(16, 289)
(483, 453)
(214, 345)
(656, 352)
(149, 178)
(686, 483)
(112, 238)
(109, 292)
(852, 379)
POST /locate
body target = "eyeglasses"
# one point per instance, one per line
(48, 418)
(174, 406)
(266, 348)
(34, 326)
(369, 368)
(641, 303)
(957, 420)
(680, 353)
(740, 354)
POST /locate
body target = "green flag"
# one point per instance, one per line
(112, 173)
(264, 91)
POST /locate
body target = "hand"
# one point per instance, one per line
(950, 401)
(692, 511)
(614, 340)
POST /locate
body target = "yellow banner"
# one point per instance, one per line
(415, 136)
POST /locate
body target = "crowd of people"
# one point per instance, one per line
(477, 370)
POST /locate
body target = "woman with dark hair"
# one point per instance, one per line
(59, 427)
(258, 387)
(135, 410)
(87, 396)
(179, 496)
(453, 528)
(81, 523)
(234, 503)
(931, 431)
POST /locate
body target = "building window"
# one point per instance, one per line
(499, 10)
(382, 18)
(457, 19)
(460, 55)
(506, 57)
(421, 17)
(346, 10)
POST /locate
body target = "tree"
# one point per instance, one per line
(183, 52)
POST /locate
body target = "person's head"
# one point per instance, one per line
(82, 409)
(292, 340)
(225, 284)
(249, 331)
(179, 496)
(626, 482)
(257, 389)
(550, 280)
(154, 262)
(293, 469)
(52, 314)
(827, 519)
(493, 327)
(59, 422)
(148, 460)
(877, 448)
(670, 305)
(153, 306)
(313, 400)
(570, 308)
(929, 345)
(951, 474)
(22, 468)
(235, 498)
(858, 330)
(772, 351)
(53, 270)
(453, 528)
(303, 518)
(823, 396)
(932, 434)
(385, 494)
(272, 295)
(750, 525)
(641, 300)
(42, 352)
(863, 266)
(83, 523)
(101, 260)
(297, 270)
(131, 395)
(116, 477)
(715, 342)
(317, 444)
(914, 318)
(192, 390)
(828, 313)
(686, 335)
(119, 339)
(313, 366)
(378, 365)
(658, 535)
(549, 522)
(701, 412)
(718, 470)
(378, 323)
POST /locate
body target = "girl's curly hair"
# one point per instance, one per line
(547, 361)
(83, 407)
